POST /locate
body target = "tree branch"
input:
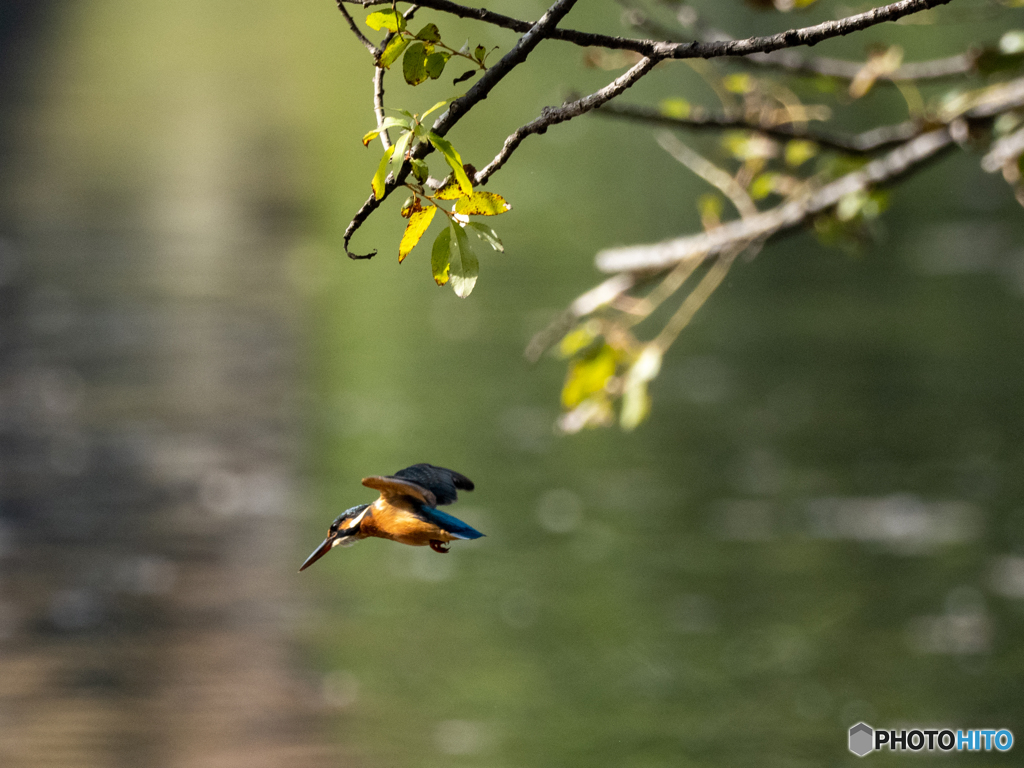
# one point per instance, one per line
(523, 47)
(868, 141)
(554, 115)
(789, 214)
(696, 50)
(374, 51)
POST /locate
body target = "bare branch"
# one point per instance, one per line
(374, 51)
(699, 50)
(554, 115)
(868, 141)
(789, 214)
(801, 63)
(378, 103)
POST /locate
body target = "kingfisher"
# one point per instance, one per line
(405, 512)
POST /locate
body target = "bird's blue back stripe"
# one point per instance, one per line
(451, 524)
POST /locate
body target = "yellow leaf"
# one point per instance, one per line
(588, 377)
(370, 137)
(419, 220)
(482, 204)
(450, 191)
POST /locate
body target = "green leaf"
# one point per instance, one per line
(420, 170)
(763, 185)
(480, 53)
(677, 108)
(392, 21)
(435, 63)
(387, 122)
(738, 83)
(589, 376)
(464, 266)
(419, 220)
(430, 34)
(393, 50)
(401, 147)
(487, 234)
(440, 257)
(382, 173)
(799, 151)
(437, 106)
(453, 159)
(414, 64)
(482, 204)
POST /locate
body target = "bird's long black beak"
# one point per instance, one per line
(319, 552)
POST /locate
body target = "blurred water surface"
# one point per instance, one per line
(821, 523)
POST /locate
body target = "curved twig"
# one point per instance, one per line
(554, 115)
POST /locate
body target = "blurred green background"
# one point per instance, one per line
(820, 523)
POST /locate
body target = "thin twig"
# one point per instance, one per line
(695, 300)
(868, 141)
(710, 172)
(378, 103)
(374, 51)
(789, 214)
(554, 115)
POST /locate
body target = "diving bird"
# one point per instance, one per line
(405, 512)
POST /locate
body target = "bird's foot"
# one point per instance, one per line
(438, 546)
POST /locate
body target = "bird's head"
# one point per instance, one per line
(344, 532)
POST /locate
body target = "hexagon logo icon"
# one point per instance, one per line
(862, 739)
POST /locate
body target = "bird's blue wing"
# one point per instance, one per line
(453, 525)
(443, 483)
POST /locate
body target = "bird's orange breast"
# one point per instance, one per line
(392, 522)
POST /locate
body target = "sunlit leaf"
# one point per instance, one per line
(636, 405)
(414, 64)
(482, 204)
(480, 53)
(849, 205)
(382, 173)
(487, 234)
(710, 206)
(435, 63)
(589, 376)
(419, 220)
(453, 159)
(578, 338)
(799, 151)
(437, 106)
(1012, 42)
(368, 137)
(463, 262)
(393, 50)
(675, 107)
(430, 33)
(738, 83)
(440, 258)
(450, 191)
(392, 21)
(762, 185)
